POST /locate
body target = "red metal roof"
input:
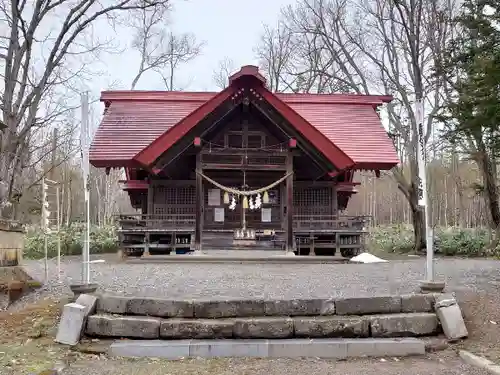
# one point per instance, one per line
(356, 129)
(135, 119)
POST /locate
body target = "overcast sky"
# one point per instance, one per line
(228, 27)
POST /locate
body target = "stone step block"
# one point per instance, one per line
(263, 328)
(160, 307)
(196, 328)
(112, 304)
(74, 319)
(145, 306)
(70, 326)
(417, 303)
(399, 325)
(452, 322)
(233, 308)
(299, 307)
(332, 326)
(368, 305)
(261, 348)
(140, 327)
(228, 309)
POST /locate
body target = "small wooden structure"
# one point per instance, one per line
(241, 168)
(11, 243)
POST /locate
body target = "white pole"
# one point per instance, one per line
(85, 169)
(45, 249)
(58, 209)
(45, 230)
(423, 200)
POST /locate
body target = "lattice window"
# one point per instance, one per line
(312, 201)
(186, 195)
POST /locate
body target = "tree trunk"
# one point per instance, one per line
(488, 170)
(418, 221)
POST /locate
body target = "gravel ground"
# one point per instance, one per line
(466, 276)
(431, 365)
(264, 280)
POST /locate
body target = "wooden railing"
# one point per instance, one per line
(300, 222)
(163, 221)
(324, 222)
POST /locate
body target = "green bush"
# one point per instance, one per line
(451, 241)
(102, 240)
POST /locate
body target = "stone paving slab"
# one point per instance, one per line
(288, 348)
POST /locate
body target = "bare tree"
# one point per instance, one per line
(161, 51)
(224, 70)
(275, 54)
(364, 46)
(38, 62)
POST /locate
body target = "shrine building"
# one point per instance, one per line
(241, 168)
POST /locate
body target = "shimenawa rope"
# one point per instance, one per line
(241, 192)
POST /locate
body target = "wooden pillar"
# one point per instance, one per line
(198, 231)
(290, 245)
(335, 203)
(150, 200)
(150, 222)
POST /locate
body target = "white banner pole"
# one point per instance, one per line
(85, 169)
(423, 194)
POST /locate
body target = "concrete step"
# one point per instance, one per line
(264, 327)
(291, 348)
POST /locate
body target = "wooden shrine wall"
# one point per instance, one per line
(173, 200)
(176, 198)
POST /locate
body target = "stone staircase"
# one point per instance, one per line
(340, 328)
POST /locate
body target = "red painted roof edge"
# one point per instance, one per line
(333, 153)
(161, 96)
(335, 98)
(154, 150)
(247, 70)
(134, 184)
(196, 96)
(373, 166)
(100, 162)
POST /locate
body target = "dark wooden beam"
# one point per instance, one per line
(289, 204)
(198, 231)
(244, 167)
(335, 204)
(246, 152)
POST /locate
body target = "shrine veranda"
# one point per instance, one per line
(240, 168)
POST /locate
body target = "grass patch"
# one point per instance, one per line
(453, 241)
(102, 240)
